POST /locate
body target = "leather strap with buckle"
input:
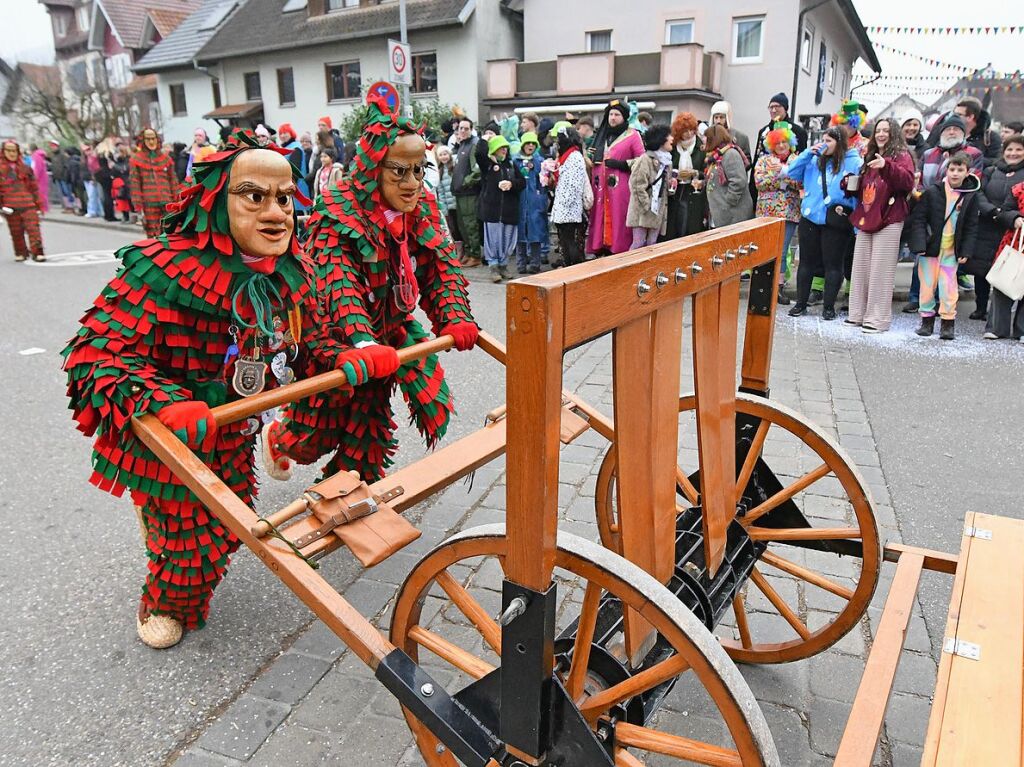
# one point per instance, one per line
(345, 514)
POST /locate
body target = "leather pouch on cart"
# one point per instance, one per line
(364, 522)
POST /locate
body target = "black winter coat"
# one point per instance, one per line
(929, 219)
(686, 208)
(996, 182)
(496, 206)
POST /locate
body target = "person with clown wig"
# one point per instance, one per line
(378, 249)
(193, 319)
(777, 194)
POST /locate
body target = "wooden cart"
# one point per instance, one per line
(574, 663)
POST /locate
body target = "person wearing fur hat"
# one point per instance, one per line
(778, 112)
(533, 206)
(721, 114)
(912, 127)
(20, 203)
(152, 181)
(500, 187)
(977, 126)
(777, 194)
(615, 144)
(378, 249)
(189, 322)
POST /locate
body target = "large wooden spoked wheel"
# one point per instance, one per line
(807, 591)
(587, 569)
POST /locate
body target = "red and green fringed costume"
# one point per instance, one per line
(153, 185)
(356, 255)
(159, 334)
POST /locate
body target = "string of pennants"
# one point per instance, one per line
(946, 30)
(932, 62)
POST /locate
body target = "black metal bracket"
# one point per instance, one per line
(766, 393)
(462, 733)
(762, 289)
(527, 664)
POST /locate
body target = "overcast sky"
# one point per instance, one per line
(25, 35)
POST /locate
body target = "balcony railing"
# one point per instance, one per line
(674, 67)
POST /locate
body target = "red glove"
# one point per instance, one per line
(464, 333)
(192, 422)
(377, 361)
(381, 361)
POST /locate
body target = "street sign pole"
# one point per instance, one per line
(404, 35)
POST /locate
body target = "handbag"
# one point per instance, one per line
(1007, 273)
(833, 218)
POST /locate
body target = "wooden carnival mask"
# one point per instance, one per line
(151, 140)
(401, 174)
(260, 205)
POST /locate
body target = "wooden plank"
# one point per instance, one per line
(939, 561)
(714, 378)
(534, 317)
(633, 376)
(610, 282)
(931, 741)
(864, 726)
(984, 698)
(666, 353)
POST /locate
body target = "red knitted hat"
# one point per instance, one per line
(327, 121)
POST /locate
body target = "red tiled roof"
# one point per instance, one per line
(128, 17)
(167, 21)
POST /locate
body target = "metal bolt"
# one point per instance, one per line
(602, 734)
(440, 748)
(427, 690)
(717, 261)
(743, 250)
(680, 275)
(642, 287)
(753, 248)
(661, 280)
(730, 255)
(516, 607)
(696, 268)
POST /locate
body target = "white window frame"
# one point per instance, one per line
(737, 20)
(82, 14)
(60, 24)
(808, 32)
(833, 67)
(842, 91)
(673, 22)
(589, 40)
(345, 6)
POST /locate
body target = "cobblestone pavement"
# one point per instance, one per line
(318, 704)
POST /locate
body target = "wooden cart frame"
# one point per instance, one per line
(536, 707)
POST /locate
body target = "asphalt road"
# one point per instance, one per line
(79, 688)
(76, 684)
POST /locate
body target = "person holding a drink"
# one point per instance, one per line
(777, 194)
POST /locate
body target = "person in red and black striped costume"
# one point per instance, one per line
(153, 182)
(19, 200)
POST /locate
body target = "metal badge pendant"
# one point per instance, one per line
(250, 377)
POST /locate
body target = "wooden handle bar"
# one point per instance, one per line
(334, 379)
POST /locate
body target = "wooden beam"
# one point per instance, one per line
(860, 738)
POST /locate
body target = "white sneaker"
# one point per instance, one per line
(989, 336)
(869, 329)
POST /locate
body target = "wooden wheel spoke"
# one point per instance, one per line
(645, 680)
(803, 533)
(804, 574)
(686, 486)
(752, 455)
(585, 627)
(455, 655)
(469, 607)
(786, 493)
(676, 746)
(740, 610)
(780, 604)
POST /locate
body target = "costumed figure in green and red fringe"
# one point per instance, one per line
(378, 248)
(152, 181)
(205, 313)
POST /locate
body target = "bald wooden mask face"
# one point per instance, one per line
(260, 190)
(401, 174)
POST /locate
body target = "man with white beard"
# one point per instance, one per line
(952, 139)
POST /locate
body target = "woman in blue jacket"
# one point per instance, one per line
(821, 169)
